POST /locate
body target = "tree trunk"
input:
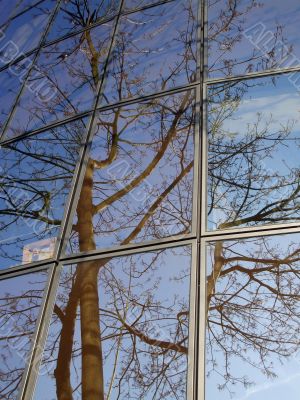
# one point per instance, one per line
(92, 359)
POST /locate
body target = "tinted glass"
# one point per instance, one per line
(78, 14)
(23, 29)
(253, 319)
(63, 82)
(20, 301)
(253, 172)
(120, 329)
(154, 51)
(36, 174)
(139, 180)
(248, 36)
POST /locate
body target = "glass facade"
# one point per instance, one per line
(149, 199)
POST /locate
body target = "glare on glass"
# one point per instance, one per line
(119, 329)
(35, 179)
(20, 301)
(253, 318)
(249, 36)
(253, 152)
(155, 50)
(138, 185)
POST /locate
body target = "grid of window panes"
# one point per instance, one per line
(149, 199)
(99, 118)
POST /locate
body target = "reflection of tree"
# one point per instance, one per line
(20, 300)
(230, 53)
(253, 312)
(252, 285)
(148, 363)
(143, 336)
(243, 190)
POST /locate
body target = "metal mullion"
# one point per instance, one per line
(151, 96)
(250, 234)
(119, 252)
(204, 162)
(24, 268)
(34, 342)
(146, 7)
(253, 75)
(133, 247)
(202, 304)
(42, 333)
(193, 325)
(197, 165)
(257, 229)
(12, 112)
(46, 128)
(201, 309)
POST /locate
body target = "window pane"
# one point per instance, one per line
(253, 153)
(139, 179)
(154, 51)
(35, 178)
(253, 319)
(248, 36)
(23, 32)
(120, 329)
(79, 14)
(20, 301)
(63, 82)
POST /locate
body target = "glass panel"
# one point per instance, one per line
(253, 152)
(253, 337)
(248, 36)
(120, 329)
(20, 301)
(23, 32)
(78, 14)
(139, 180)
(154, 50)
(63, 82)
(35, 178)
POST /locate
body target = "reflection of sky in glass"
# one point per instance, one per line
(73, 16)
(36, 174)
(280, 323)
(20, 300)
(9, 88)
(143, 130)
(231, 53)
(125, 283)
(154, 50)
(63, 82)
(26, 30)
(265, 112)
